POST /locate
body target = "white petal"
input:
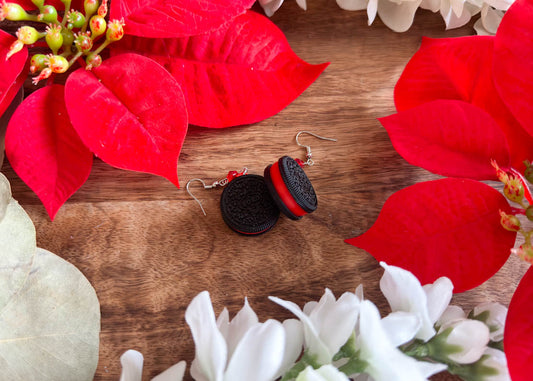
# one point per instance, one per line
(335, 320)
(223, 323)
(501, 5)
(372, 11)
(311, 335)
(302, 4)
(491, 19)
(495, 318)
(400, 327)
(359, 292)
(309, 307)
(259, 354)
(431, 5)
(132, 366)
(439, 294)
(352, 5)
(405, 293)
(428, 369)
(472, 336)
(457, 7)
(481, 31)
(450, 314)
(174, 373)
(385, 362)
(324, 373)
(239, 325)
(270, 6)
(211, 350)
(498, 362)
(294, 340)
(397, 16)
(451, 19)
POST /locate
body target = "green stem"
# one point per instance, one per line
(73, 59)
(353, 366)
(102, 47)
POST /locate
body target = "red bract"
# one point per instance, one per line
(425, 136)
(513, 58)
(44, 149)
(447, 227)
(460, 69)
(243, 72)
(176, 18)
(58, 4)
(126, 120)
(12, 71)
(518, 337)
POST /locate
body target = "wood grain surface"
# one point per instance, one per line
(148, 250)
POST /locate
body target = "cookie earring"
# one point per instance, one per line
(251, 204)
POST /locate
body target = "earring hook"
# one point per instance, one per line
(309, 155)
(219, 183)
(195, 199)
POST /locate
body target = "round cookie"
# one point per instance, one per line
(290, 188)
(247, 206)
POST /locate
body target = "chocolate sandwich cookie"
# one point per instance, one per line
(290, 188)
(247, 206)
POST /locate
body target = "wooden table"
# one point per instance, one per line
(148, 250)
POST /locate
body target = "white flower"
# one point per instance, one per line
(327, 325)
(495, 359)
(465, 339)
(271, 6)
(385, 361)
(242, 349)
(488, 23)
(493, 315)
(451, 313)
(324, 373)
(405, 293)
(132, 368)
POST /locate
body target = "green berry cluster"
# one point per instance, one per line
(69, 37)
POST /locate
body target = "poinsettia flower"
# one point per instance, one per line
(493, 315)
(250, 350)
(385, 361)
(327, 324)
(405, 293)
(103, 108)
(324, 373)
(132, 367)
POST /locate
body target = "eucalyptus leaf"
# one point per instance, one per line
(49, 330)
(49, 312)
(17, 244)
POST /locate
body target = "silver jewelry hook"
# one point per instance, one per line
(309, 155)
(195, 199)
(218, 183)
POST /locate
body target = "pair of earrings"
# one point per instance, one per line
(251, 204)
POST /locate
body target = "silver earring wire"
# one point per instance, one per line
(218, 183)
(309, 155)
(195, 199)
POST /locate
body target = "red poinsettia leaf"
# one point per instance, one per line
(518, 333)
(448, 227)
(513, 55)
(242, 73)
(131, 113)
(176, 18)
(460, 69)
(44, 149)
(450, 138)
(12, 73)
